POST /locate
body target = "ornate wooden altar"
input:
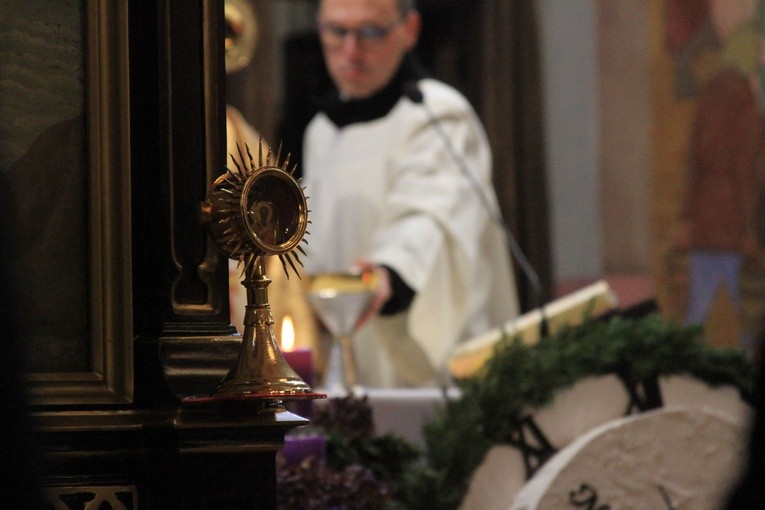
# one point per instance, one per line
(111, 431)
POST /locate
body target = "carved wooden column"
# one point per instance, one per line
(180, 279)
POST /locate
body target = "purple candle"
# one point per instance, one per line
(301, 361)
(299, 447)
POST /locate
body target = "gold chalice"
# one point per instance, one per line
(338, 300)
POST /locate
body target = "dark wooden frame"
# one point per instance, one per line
(110, 380)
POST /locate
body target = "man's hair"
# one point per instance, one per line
(406, 5)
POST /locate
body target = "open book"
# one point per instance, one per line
(591, 301)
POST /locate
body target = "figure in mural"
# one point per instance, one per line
(49, 263)
(718, 223)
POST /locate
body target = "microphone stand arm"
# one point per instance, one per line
(496, 217)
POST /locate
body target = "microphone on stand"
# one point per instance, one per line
(413, 92)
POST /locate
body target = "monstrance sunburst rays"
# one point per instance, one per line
(259, 209)
(252, 211)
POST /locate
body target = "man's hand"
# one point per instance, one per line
(383, 293)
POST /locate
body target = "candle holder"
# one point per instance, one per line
(253, 212)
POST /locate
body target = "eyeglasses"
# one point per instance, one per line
(366, 35)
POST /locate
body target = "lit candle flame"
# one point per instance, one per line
(288, 334)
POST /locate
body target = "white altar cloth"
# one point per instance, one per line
(401, 411)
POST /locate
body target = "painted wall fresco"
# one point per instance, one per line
(44, 171)
(709, 165)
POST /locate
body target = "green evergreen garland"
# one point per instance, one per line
(519, 376)
(493, 407)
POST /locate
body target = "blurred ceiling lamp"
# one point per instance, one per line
(241, 34)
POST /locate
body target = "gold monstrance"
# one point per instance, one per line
(252, 213)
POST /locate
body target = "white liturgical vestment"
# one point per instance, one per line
(389, 190)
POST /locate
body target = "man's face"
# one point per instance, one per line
(364, 42)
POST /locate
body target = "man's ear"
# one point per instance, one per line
(412, 24)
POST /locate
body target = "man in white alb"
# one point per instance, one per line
(386, 194)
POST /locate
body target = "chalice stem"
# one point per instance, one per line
(349, 362)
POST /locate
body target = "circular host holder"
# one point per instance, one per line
(254, 212)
